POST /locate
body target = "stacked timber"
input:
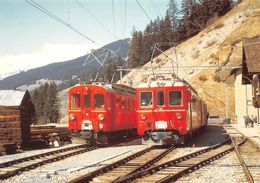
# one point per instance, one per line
(16, 110)
(10, 129)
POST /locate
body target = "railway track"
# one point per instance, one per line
(129, 165)
(248, 156)
(14, 167)
(244, 159)
(174, 169)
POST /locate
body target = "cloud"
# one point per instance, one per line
(48, 53)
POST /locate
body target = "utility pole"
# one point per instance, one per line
(246, 101)
(121, 73)
(226, 95)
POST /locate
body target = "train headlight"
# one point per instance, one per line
(101, 117)
(143, 117)
(178, 116)
(101, 126)
(72, 117)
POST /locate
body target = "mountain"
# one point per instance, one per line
(200, 58)
(64, 71)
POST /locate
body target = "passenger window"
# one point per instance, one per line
(160, 98)
(75, 101)
(175, 98)
(87, 101)
(99, 101)
(146, 99)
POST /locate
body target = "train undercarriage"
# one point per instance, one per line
(163, 138)
(106, 138)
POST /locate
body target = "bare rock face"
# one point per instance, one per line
(199, 58)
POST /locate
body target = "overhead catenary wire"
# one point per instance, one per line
(143, 10)
(113, 12)
(95, 18)
(155, 7)
(125, 20)
(51, 15)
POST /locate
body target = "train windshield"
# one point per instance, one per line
(160, 98)
(87, 101)
(175, 98)
(146, 99)
(99, 101)
(75, 101)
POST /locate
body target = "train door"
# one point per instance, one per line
(75, 108)
(86, 112)
(194, 112)
(188, 114)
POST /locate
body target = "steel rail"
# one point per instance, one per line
(150, 162)
(157, 168)
(88, 177)
(20, 160)
(53, 156)
(249, 177)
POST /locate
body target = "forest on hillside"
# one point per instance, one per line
(181, 21)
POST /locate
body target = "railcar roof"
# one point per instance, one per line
(166, 83)
(161, 83)
(107, 87)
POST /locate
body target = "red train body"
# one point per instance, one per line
(101, 112)
(167, 112)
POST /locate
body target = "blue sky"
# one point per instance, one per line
(29, 38)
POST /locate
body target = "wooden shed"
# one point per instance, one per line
(16, 110)
(251, 67)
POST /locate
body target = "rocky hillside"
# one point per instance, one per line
(199, 57)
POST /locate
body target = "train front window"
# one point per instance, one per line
(146, 99)
(175, 98)
(75, 101)
(99, 101)
(160, 98)
(87, 101)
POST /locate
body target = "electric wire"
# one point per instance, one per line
(143, 10)
(95, 18)
(156, 7)
(113, 12)
(125, 20)
(48, 13)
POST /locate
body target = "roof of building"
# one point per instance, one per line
(11, 97)
(252, 54)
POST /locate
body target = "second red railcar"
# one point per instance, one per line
(169, 111)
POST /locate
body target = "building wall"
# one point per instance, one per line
(241, 93)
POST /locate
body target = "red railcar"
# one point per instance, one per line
(169, 111)
(100, 112)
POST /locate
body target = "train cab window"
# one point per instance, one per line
(99, 100)
(175, 98)
(75, 101)
(146, 99)
(87, 101)
(160, 98)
